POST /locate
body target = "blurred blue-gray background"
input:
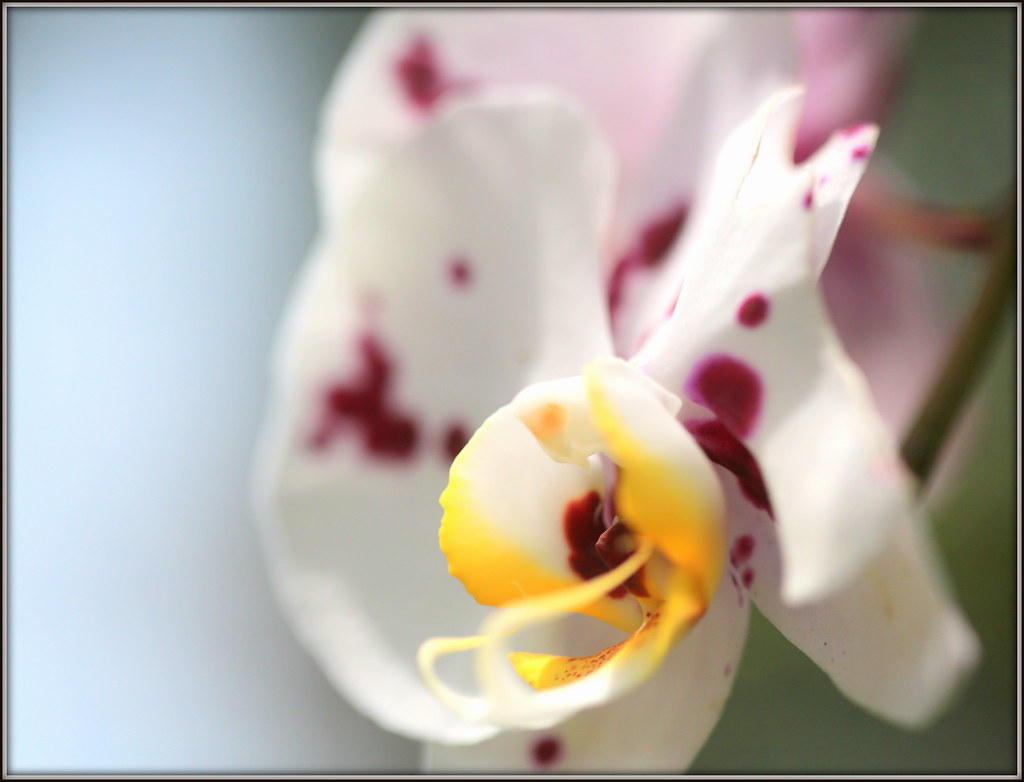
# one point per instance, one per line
(160, 201)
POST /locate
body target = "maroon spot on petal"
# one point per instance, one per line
(809, 198)
(546, 751)
(649, 248)
(460, 273)
(455, 439)
(742, 550)
(753, 311)
(583, 526)
(721, 446)
(419, 74)
(728, 387)
(860, 152)
(362, 406)
(748, 577)
(727, 670)
(661, 233)
(617, 283)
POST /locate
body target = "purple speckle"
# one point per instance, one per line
(727, 670)
(748, 577)
(455, 439)
(809, 198)
(460, 273)
(728, 387)
(860, 152)
(721, 447)
(546, 751)
(753, 311)
(362, 405)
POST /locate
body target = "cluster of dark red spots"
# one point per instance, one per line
(576, 668)
(650, 248)
(362, 405)
(753, 311)
(730, 389)
(723, 448)
(546, 751)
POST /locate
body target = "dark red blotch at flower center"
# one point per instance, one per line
(362, 405)
(730, 388)
(723, 448)
(594, 549)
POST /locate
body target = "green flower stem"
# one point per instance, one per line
(967, 358)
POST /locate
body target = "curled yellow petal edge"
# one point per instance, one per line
(508, 619)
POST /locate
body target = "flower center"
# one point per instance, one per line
(600, 541)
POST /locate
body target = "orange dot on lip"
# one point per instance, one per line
(546, 421)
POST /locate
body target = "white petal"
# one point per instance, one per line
(750, 341)
(893, 641)
(424, 307)
(659, 727)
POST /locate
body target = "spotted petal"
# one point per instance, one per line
(425, 305)
(893, 640)
(750, 342)
(664, 86)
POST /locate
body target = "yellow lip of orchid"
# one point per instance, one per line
(511, 533)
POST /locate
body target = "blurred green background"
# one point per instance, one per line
(161, 202)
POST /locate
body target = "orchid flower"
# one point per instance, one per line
(492, 244)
